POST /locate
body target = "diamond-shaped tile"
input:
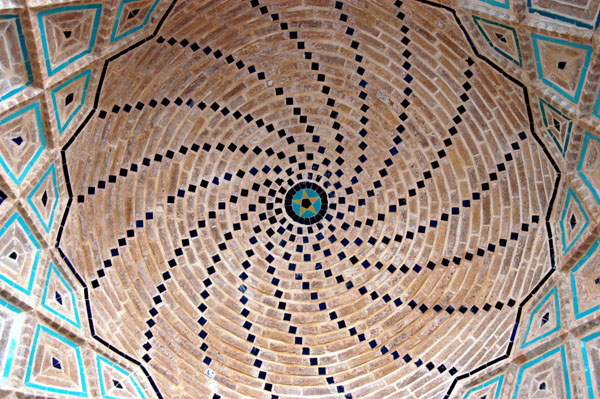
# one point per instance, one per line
(43, 199)
(573, 222)
(557, 125)
(544, 319)
(21, 141)
(68, 33)
(59, 298)
(55, 364)
(116, 382)
(69, 97)
(19, 254)
(544, 377)
(561, 64)
(502, 38)
(132, 16)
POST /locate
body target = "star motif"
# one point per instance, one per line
(306, 203)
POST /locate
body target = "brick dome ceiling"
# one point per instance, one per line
(275, 199)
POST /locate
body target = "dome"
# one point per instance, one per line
(279, 199)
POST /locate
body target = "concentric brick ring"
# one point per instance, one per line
(191, 226)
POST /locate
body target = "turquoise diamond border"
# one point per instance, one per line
(114, 36)
(52, 269)
(62, 126)
(41, 15)
(553, 292)
(533, 362)
(17, 218)
(102, 359)
(13, 339)
(48, 388)
(570, 195)
(597, 106)
(25, 57)
(573, 98)
(543, 105)
(36, 107)
(47, 226)
(588, 136)
(578, 312)
(476, 19)
(499, 379)
(586, 363)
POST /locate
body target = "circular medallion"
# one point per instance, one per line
(306, 203)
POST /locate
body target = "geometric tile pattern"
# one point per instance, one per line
(69, 97)
(489, 390)
(19, 254)
(544, 377)
(132, 16)
(590, 348)
(59, 298)
(544, 320)
(21, 141)
(562, 65)
(43, 199)
(55, 364)
(68, 33)
(585, 13)
(589, 164)
(557, 125)
(585, 283)
(502, 38)
(573, 222)
(15, 70)
(11, 322)
(116, 382)
(498, 3)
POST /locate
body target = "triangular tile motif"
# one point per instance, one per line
(573, 222)
(11, 322)
(557, 124)
(501, 38)
(22, 141)
(561, 64)
(505, 4)
(544, 377)
(489, 390)
(589, 164)
(544, 319)
(15, 70)
(116, 382)
(69, 97)
(68, 33)
(132, 16)
(585, 283)
(43, 199)
(59, 298)
(585, 14)
(19, 254)
(590, 348)
(55, 364)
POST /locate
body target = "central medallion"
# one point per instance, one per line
(306, 203)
